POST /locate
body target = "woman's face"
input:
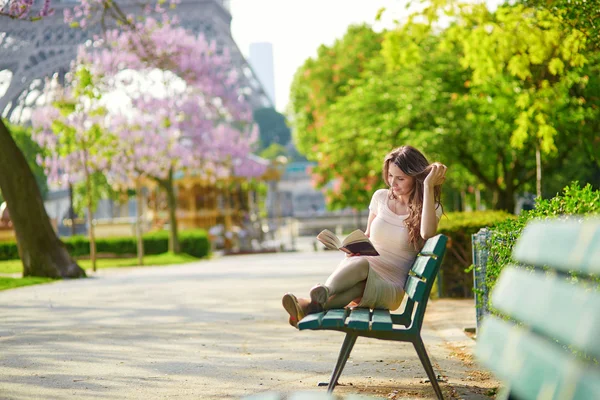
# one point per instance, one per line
(400, 183)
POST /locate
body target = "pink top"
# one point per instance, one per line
(389, 235)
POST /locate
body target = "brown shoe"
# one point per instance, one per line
(299, 308)
(291, 305)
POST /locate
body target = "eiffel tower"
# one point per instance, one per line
(30, 52)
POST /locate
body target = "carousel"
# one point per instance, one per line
(227, 208)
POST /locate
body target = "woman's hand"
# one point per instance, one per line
(436, 176)
(352, 254)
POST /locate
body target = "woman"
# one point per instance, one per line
(401, 218)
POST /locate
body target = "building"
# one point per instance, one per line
(294, 195)
(261, 61)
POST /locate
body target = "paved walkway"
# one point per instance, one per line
(209, 330)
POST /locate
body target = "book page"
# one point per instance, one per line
(329, 239)
(356, 236)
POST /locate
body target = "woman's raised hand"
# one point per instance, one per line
(436, 176)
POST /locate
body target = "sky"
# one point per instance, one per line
(297, 28)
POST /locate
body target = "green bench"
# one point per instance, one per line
(553, 318)
(380, 324)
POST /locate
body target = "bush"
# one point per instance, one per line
(456, 280)
(574, 200)
(193, 242)
(8, 251)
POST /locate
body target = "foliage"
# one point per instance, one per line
(101, 189)
(573, 200)
(272, 126)
(31, 150)
(459, 226)
(582, 15)
(193, 242)
(542, 59)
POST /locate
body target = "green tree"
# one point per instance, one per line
(321, 80)
(425, 89)
(85, 147)
(272, 126)
(543, 58)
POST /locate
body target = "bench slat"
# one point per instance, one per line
(335, 318)
(381, 320)
(435, 245)
(563, 245)
(535, 367)
(359, 319)
(415, 288)
(552, 306)
(311, 321)
(424, 266)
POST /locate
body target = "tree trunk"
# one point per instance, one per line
(138, 225)
(172, 204)
(88, 184)
(463, 200)
(41, 251)
(506, 201)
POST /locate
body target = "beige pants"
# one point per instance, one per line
(380, 293)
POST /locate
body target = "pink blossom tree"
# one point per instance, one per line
(204, 125)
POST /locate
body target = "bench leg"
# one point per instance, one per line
(420, 348)
(342, 358)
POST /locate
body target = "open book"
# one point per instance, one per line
(356, 242)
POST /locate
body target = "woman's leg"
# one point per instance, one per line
(351, 271)
(342, 299)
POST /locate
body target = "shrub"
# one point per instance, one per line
(574, 200)
(459, 226)
(193, 242)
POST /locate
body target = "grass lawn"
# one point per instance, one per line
(15, 266)
(11, 283)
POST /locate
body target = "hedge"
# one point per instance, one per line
(456, 280)
(573, 201)
(193, 242)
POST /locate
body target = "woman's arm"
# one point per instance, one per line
(429, 220)
(372, 216)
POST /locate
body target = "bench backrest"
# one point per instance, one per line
(420, 280)
(548, 351)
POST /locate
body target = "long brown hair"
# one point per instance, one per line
(413, 163)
